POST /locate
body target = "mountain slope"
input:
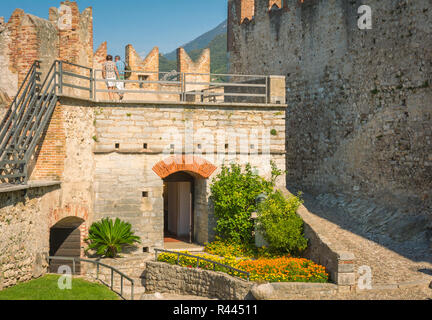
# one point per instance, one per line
(202, 41)
(215, 39)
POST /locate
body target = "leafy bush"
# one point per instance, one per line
(284, 269)
(109, 238)
(233, 193)
(280, 224)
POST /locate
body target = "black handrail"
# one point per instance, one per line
(98, 264)
(201, 259)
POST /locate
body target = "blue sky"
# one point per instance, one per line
(142, 23)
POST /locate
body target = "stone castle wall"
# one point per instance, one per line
(24, 233)
(359, 101)
(104, 155)
(131, 140)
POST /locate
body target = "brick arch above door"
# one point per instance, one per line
(187, 163)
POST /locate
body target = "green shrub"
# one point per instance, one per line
(233, 194)
(109, 238)
(280, 224)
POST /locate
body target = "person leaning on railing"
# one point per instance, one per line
(111, 74)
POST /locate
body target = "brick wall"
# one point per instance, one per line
(30, 38)
(13, 26)
(50, 154)
(69, 38)
(26, 49)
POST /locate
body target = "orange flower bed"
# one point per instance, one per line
(284, 269)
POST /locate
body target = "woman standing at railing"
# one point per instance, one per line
(111, 74)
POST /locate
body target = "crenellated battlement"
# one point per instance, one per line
(25, 38)
(67, 35)
(244, 11)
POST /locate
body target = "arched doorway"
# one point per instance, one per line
(179, 206)
(186, 215)
(65, 241)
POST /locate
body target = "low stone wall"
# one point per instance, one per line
(24, 232)
(339, 263)
(165, 278)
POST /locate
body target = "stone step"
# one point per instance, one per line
(138, 292)
(135, 274)
(138, 282)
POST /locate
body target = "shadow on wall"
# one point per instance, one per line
(23, 196)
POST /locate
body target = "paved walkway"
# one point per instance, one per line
(400, 264)
(166, 296)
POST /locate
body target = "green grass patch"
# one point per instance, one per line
(46, 288)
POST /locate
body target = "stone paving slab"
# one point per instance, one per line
(388, 266)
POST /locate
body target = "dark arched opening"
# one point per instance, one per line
(65, 241)
(179, 207)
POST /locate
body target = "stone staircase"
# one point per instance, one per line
(132, 266)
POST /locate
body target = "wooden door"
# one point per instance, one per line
(65, 242)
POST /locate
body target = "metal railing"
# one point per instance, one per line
(98, 265)
(180, 85)
(232, 269)
(188, 86)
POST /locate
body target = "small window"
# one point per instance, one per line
(172, 146)
(199, 146)
(145, 194)
(146, 249)
(145, 146)
(226, 146)
(117, 145)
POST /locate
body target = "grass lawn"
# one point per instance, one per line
(46, 288)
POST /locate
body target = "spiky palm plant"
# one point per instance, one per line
(108, 238)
